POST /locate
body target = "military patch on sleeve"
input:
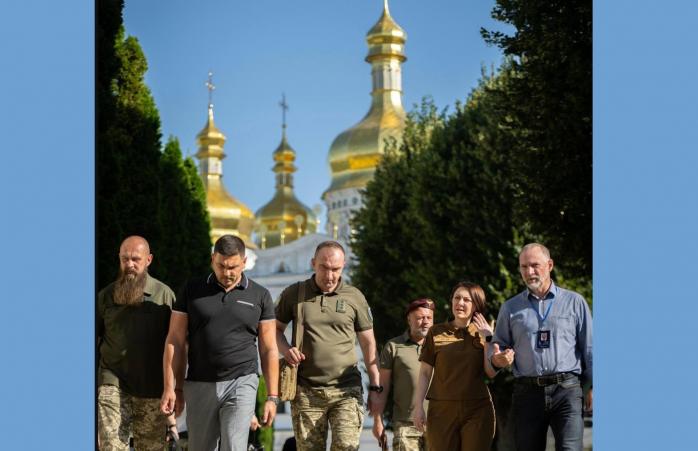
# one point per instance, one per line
(341, 306)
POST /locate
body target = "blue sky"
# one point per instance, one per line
(645, 215)
(314, 52)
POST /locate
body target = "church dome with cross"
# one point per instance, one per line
(228, 215)
(284, 218)
(356, 152)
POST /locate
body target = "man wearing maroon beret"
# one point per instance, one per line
(399, 369)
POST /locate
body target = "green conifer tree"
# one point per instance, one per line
(127, 159)
(184, 222)
(549, 106)
(140, 189)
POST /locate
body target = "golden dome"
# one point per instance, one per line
(386, 37)
(228, 215)
(298, 220)
(355, 153)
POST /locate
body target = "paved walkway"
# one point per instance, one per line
(284, 430)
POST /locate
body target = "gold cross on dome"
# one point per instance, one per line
(211, 87)
(284, 108)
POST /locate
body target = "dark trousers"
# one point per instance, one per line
(535, 408)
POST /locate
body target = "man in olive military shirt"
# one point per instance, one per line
(329, 382)
(133, 315)
(399, 370)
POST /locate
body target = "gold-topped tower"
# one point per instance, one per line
(228, 215)
(355, 153)
(284, 218)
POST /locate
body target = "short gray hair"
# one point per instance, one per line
(529, 246)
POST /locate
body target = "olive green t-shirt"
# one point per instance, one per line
(132, 339)
(330, 322)
(400, 355)
(458, 361)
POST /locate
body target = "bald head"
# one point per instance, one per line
(136, 241)
(134, 256)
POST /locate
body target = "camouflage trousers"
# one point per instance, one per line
(313, 409)
(120, 414)
(406, 437)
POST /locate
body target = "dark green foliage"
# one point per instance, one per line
(140, 189)
(128, 154)
(549, 104)
(440, 211)
(510, 166)
(437, 212)
(183, 218)
(385, 232)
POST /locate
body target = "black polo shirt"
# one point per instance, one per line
(222, 327)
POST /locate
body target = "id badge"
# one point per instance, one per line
(543, 339)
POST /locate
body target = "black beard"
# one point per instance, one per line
(129, 290)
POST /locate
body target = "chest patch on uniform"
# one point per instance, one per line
(341, 306)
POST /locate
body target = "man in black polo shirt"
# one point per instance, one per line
(220, 317)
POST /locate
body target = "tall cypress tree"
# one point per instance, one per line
(140, 190)
(183, 218)
(128, 154)
(128, 144)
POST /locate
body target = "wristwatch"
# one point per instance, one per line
(274, 399)
(376, 388)
(488, 339)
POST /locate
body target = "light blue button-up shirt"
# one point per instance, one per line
(569, 323)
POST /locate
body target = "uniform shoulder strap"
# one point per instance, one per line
(298, 320)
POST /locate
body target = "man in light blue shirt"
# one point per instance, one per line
(546, 333)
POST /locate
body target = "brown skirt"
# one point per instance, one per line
(466, 425)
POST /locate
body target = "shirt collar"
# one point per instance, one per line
(469, 329)
(149, 286)
(551, 294)
(317, 289)
(241, 285)
(408, 338)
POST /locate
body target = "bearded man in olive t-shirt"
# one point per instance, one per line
(329, 390)
(133, 314)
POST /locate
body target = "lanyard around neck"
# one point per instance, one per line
(547, 311)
